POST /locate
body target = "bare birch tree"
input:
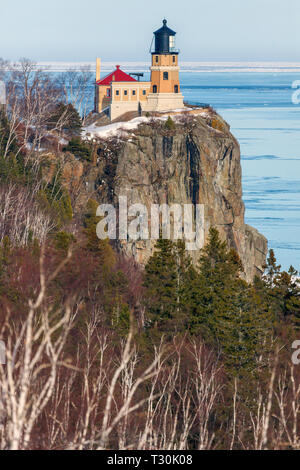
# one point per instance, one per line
(34, 350)
(21, 217)
(77, 88)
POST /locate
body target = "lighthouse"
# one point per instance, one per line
(120, 93)
(165, 85)
(165, 70)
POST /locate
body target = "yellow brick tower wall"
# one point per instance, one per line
(162, 64)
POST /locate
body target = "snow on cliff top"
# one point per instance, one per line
(116, 129)
(120, 129)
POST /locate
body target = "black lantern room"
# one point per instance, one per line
(165, 40)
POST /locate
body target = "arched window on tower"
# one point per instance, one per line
(154, 88)
(176, 89)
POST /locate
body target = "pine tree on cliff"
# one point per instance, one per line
(243, 331)
(282, 291)
(161, 286)
(79, 148)
(223, 307)
(272, 269)
(287, 290)
(101, 248)
(65, 118)
(185, 274)
(218, 271)
(166, 280)
(8, 143)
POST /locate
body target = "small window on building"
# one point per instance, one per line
(133, 92)
(144, 92)
(166, 75)
(125, 92)
(156, 59)
(117, 92)
(174, 59)
(108, 92)
(154, 88)
(176, 89)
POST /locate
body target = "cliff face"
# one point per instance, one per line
(197, 162)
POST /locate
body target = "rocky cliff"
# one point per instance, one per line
(195, 160)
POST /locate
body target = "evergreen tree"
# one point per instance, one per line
(56, 199)
(185, 274)
(121, 318)
(224, 309)
(167, 275)
(243, 331)
(282, 290)
(66, 118)
(213, 287)
(170, 124)
(79, 149)
(287, 292)
(272, 269)
(101, 248)
(63, 240)
(161, 284)
(5, 136)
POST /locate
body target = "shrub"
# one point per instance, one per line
(170, 124)
(62, 240)
(218, 125)
(79, 148)
(66, 118)
(6, 140)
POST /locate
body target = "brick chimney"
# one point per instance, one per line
(98, 68)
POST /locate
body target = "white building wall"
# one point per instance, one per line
(163, 102)
(122, 103)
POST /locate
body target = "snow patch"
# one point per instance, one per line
(121, 129)
(116, 129)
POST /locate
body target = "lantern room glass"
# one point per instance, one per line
(172, 43)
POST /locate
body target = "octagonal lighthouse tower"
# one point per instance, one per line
(165, 86)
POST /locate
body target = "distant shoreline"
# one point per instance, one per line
(186, 66)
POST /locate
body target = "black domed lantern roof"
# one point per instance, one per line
(165, 40)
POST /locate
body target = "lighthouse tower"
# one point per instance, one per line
(119, 93)
(165, 86)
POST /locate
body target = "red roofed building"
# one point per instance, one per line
(116, 76)
(120, 92)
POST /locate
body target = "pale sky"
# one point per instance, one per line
(120, 30)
